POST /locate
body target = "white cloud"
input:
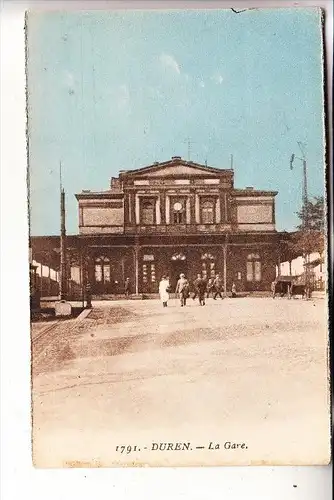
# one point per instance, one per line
(170, 62)
(218, 79)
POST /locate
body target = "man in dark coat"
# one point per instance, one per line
(182, 289)
(200, 289)
(210, 287)
(127, 287)
(218, 284)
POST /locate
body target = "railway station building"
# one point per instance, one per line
(172, 217)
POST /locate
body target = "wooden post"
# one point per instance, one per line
(279, 262)
(225, 267)
(49, 283)
(123, 271)
(136, 253)
(63, 277)
(41, 286)
(82, 288)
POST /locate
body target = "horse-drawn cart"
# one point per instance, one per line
(290, 286)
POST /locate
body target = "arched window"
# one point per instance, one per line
(208, 256)
(147, 212)
(148, 269)
(179, 212)
(208, 265)
(254, 267)
(102, 270)
(178, 256)
(207, 212)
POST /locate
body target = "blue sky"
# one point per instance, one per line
(119, 90)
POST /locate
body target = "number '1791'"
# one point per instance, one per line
(126, 448)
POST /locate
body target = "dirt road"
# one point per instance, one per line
(247, 372)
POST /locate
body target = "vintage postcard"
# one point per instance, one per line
(178, 269)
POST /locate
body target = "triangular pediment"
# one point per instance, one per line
(174, 168)
(179, 170)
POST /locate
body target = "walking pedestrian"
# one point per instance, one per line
(127, 287)
(210, 287)
(218, 285)
(182, 289)
(164, 289)
(234, 290)
(200, 287)
(199, 277)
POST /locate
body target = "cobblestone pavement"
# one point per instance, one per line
(247, 370)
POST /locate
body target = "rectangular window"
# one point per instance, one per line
(249, 271)
(144, 273)
(147, 212)
(148, 258)
(148, 273)
(106, 273)
(152, 273)
(208, 211)
(178, 210)
(257, 270)
(179, 217)
(98, 273)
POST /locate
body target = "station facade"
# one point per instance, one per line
(172, 217)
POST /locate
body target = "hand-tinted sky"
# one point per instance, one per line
(119, 90)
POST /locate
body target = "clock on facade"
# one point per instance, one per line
(177, 206)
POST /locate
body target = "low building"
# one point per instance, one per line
(314, 267)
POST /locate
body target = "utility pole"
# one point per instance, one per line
(305, 217)
(63, 277)
(305, 220)
(231, 165)
(305, 193)
(189, 142)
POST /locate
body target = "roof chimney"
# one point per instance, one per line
(176, 158)
(249, 188)
(114, 182)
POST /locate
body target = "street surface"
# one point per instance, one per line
(248, 371)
